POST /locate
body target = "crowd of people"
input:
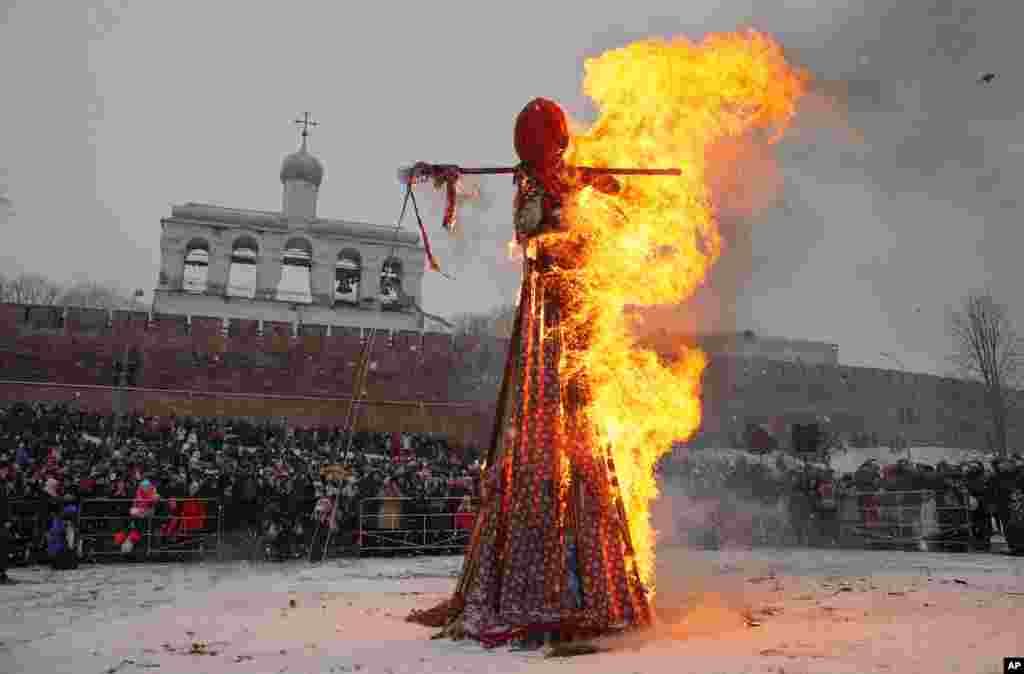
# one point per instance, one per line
(806, 503)
(175, 480)
(136, 477)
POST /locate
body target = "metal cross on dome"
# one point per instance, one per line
(306, 122)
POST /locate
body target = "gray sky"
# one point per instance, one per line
(113, 111)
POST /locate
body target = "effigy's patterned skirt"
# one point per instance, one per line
(549, 505)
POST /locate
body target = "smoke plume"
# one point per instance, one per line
(476, 252)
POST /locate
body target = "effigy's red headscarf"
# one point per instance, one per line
(542, 133)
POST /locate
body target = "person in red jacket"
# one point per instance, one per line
(145, 501)
(465, 518)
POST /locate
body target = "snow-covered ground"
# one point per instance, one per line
(815, 611)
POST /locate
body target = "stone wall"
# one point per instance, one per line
(428, 380)
(881, 406)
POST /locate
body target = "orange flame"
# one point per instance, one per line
(662, 104)
(515, 252)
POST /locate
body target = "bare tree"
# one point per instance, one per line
(95, 296)
(988, 350)
(474, 325)
(30, 289)
(40, 290)
(497, 322)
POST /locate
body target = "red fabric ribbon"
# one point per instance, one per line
(441, 176)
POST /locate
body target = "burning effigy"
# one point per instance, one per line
(616, 215)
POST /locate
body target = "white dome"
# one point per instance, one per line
(303, 166)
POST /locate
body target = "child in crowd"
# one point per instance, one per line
(62, 540)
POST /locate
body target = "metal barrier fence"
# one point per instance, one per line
(28, 519)
(27, 515)
(181, 528)
(923, 519)
(414, 525)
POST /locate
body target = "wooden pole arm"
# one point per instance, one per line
(422, 171)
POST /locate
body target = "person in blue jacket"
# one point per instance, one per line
(62, 540)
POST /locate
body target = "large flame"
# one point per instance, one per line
(661, 104)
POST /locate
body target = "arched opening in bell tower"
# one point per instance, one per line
(296, 263)
(349, 271)
(391, 283)
(197, 266)
(243, 270)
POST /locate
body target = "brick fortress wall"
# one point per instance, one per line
(425, 381)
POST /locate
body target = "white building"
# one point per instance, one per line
(290, 266)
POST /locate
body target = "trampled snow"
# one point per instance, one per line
(729, 611)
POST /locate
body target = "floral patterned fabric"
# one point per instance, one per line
(549, 498)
